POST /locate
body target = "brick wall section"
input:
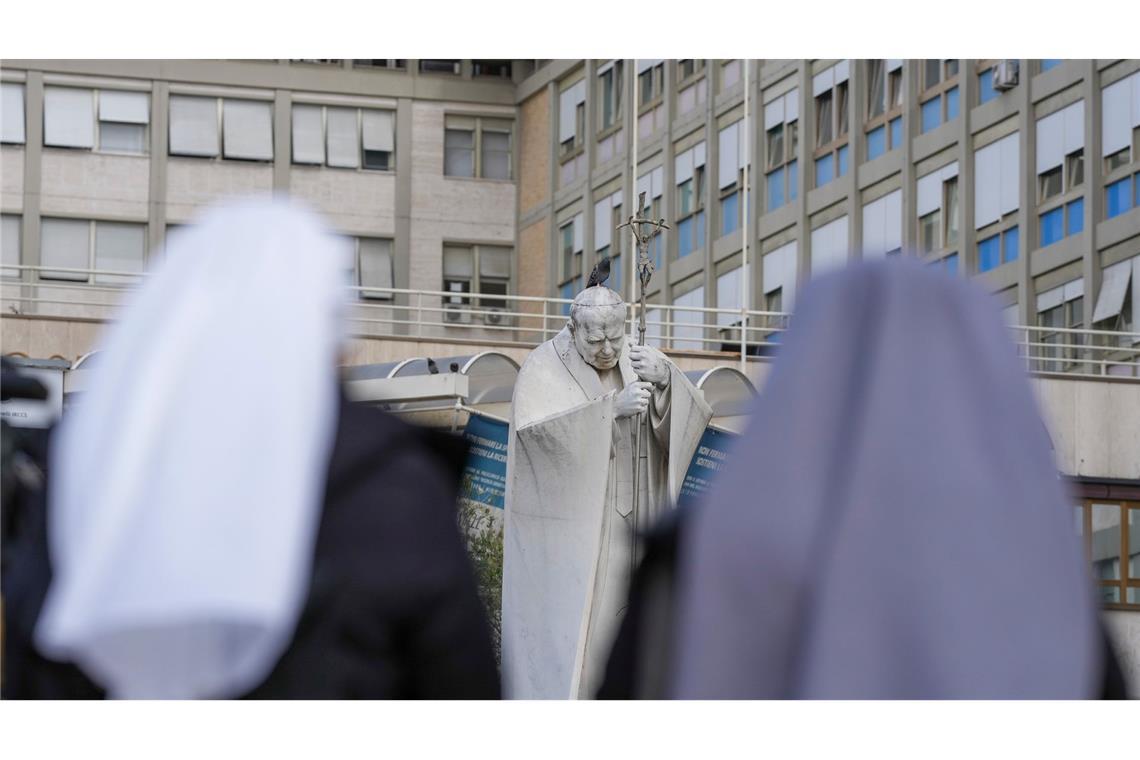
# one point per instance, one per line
(532, 269)
(534, 152)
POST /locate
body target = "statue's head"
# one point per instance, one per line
(597, 322)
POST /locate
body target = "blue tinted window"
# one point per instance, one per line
(1137, 193)
(685, 237)
(1049, 63)
(793, 180)
(1075, 217)
(896, 132)
(843, 161)
(952, 104)
(876, 143)
(1118, 197)
(931, 114)
(700, 241)
(986, 91)
(775, 183)
(824, 170)
(567, 291)
(729, 213)
(1009, 243)
(989, 253)
(1052, 227)
(951, 264)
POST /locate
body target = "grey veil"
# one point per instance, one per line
(892, 524)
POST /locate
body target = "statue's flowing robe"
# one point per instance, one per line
(569, 512)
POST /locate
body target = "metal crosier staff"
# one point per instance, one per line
(645, 268)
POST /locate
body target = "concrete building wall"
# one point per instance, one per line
(1095, 426)
(94, 185)
(194, 184)
(358, 202)
(1124, 628)
(12, 178)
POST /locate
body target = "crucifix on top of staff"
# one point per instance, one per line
(645, 267)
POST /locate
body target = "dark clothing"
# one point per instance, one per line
(640, 663)
(392, 611)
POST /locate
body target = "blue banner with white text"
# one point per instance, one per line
(708, 460)
(486, 469)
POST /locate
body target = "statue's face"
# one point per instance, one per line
(598, 336)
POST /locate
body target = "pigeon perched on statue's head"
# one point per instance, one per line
(600, 273)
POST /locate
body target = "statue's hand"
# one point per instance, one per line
(650, 365)
(632, 399)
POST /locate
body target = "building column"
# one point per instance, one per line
(156, 195)
(855, 153)
(33, 178)
(282, 140)
(402, 244)
(1026, 216)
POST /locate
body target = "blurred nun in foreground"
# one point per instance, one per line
(223, 523)
(892, 525)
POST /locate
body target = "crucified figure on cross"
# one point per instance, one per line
(645, 267)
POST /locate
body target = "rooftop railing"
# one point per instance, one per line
(91, 294)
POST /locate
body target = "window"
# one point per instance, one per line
(830, 91)
(572, 132)
(779, 273)
(950, 265)
(986, 91)
(607, 238)
(690, 177)
(381, 63)
(998, 249)
(1060, 151)
(729, 74)
(347, 138)
(12, 112)
(570, 279)
(1120, 131)
(937, 209)
(882, 226)
(112, 120)
(373, 262)
(650, 88)
(1049, 63)
(1060, 173)
(1062, 307)
(781, 141)
(939, 98)
(319, 61)
(477, 146)
(1110, 532)
(450, 66)
(829, 246)
(692, 84)
(1116, 303)
(610, 82)
(79, 246)
(482, 270)
(688, 327)
(209, 127)
(497, 69)
(10, 238)
(883, 127)
(652, 184)
(996, 193)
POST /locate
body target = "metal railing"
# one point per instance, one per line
(530, 320)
